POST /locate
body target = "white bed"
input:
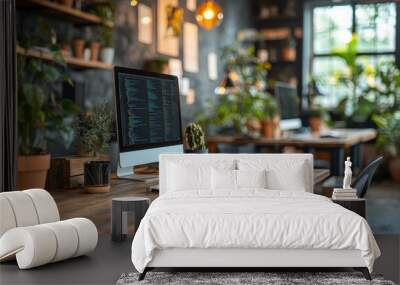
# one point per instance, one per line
(198, 223)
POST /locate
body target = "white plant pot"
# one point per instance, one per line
(107, 55)
(86, 54)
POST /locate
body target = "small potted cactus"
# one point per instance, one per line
(195, 141)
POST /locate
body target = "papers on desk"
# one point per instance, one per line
(344, 194)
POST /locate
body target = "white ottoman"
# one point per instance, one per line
(31, 232)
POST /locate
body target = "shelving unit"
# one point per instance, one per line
(75, 62)
(280, 29)
(61, 11)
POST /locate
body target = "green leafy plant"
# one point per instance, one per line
(194, 136)
(386, 88)
(389, 132)
(156, 65)
(265, 107)
(95, 129)
(43, 116)
(247, 100)
(354, 105)
(105, 10)
(106, 37)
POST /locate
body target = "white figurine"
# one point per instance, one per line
(347, 174)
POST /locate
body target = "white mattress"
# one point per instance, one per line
(252, 219)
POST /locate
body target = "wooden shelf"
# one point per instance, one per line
(76, 62)
(58, 10)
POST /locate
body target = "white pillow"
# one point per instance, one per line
(181, 177)
(278, 180)
(281, 174)
(251, 178)
(223, 179)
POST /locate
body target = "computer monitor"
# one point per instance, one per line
(289, 106)
(148, 117)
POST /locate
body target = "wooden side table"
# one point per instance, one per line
(119, 215)
(355, 205)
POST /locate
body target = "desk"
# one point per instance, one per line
(344, 140)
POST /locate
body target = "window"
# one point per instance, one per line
(374, 24)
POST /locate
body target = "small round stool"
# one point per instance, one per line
(119, 214)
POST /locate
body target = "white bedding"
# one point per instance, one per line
(251, 218)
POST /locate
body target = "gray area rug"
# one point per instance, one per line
(228, 278)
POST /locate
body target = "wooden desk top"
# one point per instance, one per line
(342, 138)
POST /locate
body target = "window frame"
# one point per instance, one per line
(309, 54)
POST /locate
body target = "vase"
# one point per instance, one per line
(97, 176)
(32, 171)
(107, 55)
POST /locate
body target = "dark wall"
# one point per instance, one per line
(98, 85)
(130, 52)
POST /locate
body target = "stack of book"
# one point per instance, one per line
(344, 194)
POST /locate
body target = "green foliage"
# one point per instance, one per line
(95, 129)
(155, 65)
(43, 116)
(105, 10)
(195, 137)
(386, 88)
(389, 131)
(106, 37)
(248, 99)
(354, 104)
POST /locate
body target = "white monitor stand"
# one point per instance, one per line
(129, 159)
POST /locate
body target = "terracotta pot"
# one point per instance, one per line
(268, 129)
(66, 2)
(394, 168)
(315, 124)
(289, 54)
(94, 51)
(78, 46)
(32, 171)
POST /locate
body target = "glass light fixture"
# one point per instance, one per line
(209, 14)
(133, 3)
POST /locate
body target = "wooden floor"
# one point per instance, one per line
(97, 207)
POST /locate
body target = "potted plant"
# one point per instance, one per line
(95, 131)
(78, 45)
(194, 137)
(105, 11)
(389, 139)
(157, 65)
(267, 112)
(94, 50)
(43, 117)
(236, 109)
(107, 52)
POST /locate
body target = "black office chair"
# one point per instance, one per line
(363, 180)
